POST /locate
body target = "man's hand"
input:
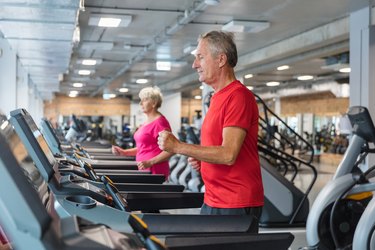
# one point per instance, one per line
(194, 163)
(167, 141)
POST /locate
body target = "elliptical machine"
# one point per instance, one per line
(334, 217)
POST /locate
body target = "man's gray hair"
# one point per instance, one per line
(221, 42)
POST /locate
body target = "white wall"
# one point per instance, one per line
(8, 69)
(171, 109)
(16, 89)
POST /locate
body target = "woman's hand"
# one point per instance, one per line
(117, 150)
(195, 164)
(144, 165)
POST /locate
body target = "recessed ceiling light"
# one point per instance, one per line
(123, 90)
(201, 87)
(305, 77)
(89, 62)
(84, 72)
(345, 70)
(283, 67)
(107, 96)
(164, 66)
(250, 87)
(109, 20)
(73, 93)
(248, 76)
(198, 97)
(141, 81)
(78, 85)
(273, 84)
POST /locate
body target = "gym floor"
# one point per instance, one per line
(302, 180)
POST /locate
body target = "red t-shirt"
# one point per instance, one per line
(146, 139)
(239, 185)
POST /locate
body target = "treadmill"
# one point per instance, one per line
(24, 124)
(100, 207)
(68, 183)
(31, 227)
(59, 148)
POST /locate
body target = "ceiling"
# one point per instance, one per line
(52, 37)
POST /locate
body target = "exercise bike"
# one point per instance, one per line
(337, 217)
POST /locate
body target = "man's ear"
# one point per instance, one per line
(222, 60)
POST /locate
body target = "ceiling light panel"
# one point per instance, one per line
(108, 20)
(245, 26)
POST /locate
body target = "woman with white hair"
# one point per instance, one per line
(148, 155)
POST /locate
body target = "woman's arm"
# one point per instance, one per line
(116, 150)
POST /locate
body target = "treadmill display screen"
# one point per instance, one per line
(20, 153)
(42, 142)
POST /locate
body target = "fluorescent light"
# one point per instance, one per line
(305, 77)
(248, 76)
(197, 97)
(345, 70)
(165, 66)
(283, 67)
(84, 72)
(141, 81)
(273, 84)
(108, 96)
(78, 85)
(109, 20)
(73, 93)
(245, 26)
(250, 87)
(89, 62)
(123, 90)
(4, 125)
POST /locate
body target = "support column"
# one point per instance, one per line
(362, 63)
(8, 76)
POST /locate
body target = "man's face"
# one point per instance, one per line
(206, 65)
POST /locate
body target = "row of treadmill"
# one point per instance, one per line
(60, 196)
(56, 195)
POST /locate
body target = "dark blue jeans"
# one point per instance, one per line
(256, 212)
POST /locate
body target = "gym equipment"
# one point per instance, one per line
(30, 226)
(285, 205)
(341, 209)
(59, 148)
(73, 201)
(136, 200)
(26, 126)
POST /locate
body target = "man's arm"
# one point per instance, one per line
(226, 153)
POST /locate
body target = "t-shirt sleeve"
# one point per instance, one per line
(240, 110)
(160, 125)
